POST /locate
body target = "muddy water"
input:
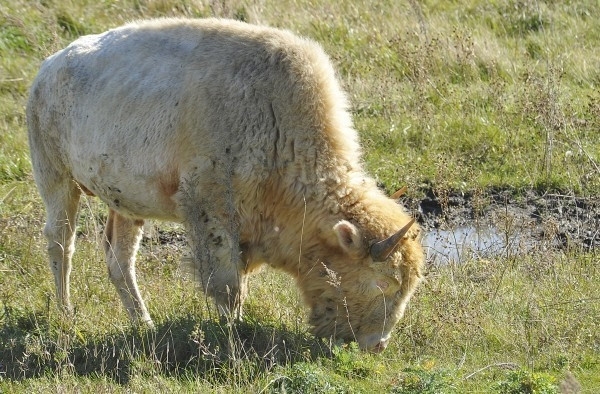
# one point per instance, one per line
(506, 224)
(470, 242)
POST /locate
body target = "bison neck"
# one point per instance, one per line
(289, 224)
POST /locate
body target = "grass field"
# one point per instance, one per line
(448, 97)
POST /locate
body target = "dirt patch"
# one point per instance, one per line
(553, 220)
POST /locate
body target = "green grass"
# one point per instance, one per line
(449, 96)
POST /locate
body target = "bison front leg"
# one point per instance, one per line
(122, 237)
(217, 266)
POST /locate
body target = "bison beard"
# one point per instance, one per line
(242, 134)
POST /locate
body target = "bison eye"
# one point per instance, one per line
(382, 284)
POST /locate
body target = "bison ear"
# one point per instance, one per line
(348, 236)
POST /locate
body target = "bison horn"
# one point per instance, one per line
(399, 193)
(381, 250)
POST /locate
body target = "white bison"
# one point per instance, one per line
(242, 134)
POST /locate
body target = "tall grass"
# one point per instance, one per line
(447, 96)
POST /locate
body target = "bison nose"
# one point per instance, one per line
(380, 346)
(375, 343)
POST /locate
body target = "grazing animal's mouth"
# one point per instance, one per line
(374, 343)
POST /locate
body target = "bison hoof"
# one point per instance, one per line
(146, 323)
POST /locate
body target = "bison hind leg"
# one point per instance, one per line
(122, 237)
(61, 200)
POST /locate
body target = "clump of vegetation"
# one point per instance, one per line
(422, 380)
(524, 382)
(307, 378)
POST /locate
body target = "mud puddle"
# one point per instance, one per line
(469, 242)
(486, 241)
(502, 224)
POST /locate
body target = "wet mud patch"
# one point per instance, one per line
(503, 223)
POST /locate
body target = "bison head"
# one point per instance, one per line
(359, 287)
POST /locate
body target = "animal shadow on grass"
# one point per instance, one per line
(30, 347)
